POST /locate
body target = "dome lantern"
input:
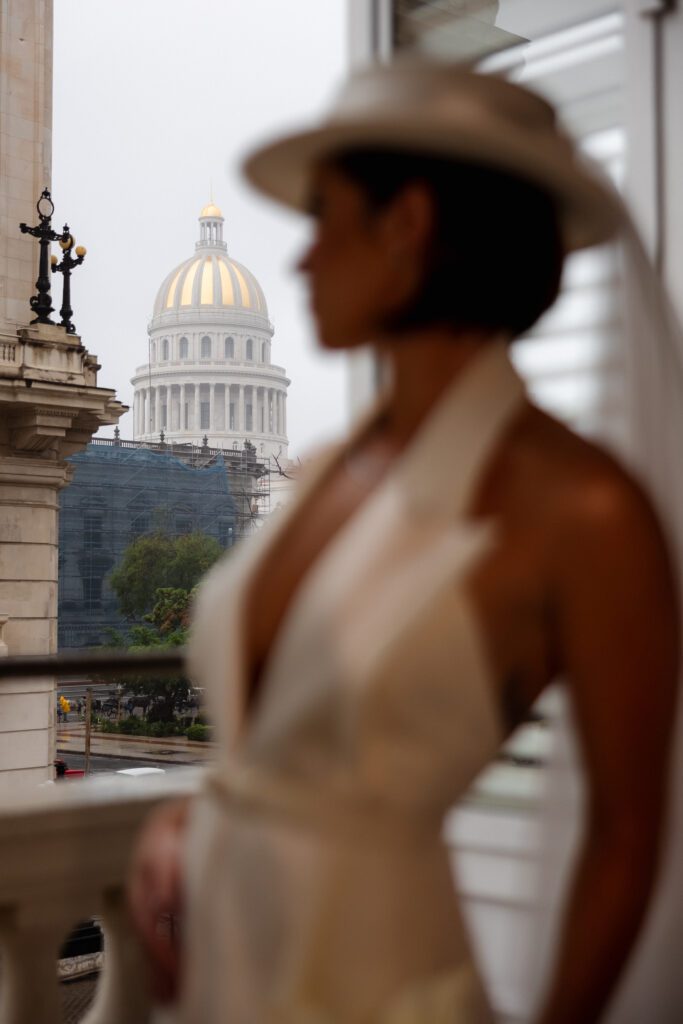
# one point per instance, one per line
(211, 222)
(210, 279)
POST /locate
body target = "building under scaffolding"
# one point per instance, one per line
(124, 489)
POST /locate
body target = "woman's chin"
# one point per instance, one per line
(338, 339)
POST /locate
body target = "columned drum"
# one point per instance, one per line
(209, 372)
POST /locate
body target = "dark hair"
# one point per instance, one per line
(496, 256)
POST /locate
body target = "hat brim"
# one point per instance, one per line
(588, 206)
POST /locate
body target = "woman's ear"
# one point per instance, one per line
(407, 223)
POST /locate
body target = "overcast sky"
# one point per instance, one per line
(153, 101)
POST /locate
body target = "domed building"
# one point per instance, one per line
(210, 379)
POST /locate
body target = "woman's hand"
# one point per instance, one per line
(155, 894)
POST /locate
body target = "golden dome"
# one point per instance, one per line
(211, 210)
(210, 279)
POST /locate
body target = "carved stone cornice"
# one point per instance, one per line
(50, 405)
(28, 472)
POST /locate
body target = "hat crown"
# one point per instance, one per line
(448, 111)
(439, 89)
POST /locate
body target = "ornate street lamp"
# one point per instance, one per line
(41, 304)
(67, 242)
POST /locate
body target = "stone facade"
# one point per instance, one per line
(25, 144)
(50, 404)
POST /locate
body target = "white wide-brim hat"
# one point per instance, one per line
(444, 110)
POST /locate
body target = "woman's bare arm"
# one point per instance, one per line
(617, 614)
(155, 894)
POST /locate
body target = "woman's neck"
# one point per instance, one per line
(420, 366)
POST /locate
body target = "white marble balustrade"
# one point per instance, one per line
(64, 851)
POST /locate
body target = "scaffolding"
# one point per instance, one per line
(122, 490)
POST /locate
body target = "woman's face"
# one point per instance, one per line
(362, 265)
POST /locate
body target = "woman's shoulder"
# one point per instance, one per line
(586, 482)
(591, 510)
(545, 469)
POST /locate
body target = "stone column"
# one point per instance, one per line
(40, 426)
(212, 408)
(241, 416)
(284, 413)
(26, 106)
(51, 404)
(183, 424)
(28, 597)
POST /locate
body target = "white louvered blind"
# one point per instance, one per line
(574, 55)
(567, 360)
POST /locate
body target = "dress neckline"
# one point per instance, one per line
(471, 414)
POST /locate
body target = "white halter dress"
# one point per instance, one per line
(319, 889)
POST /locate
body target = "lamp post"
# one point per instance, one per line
(67, 242)
(41, 304)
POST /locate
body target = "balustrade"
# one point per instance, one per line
(64, 851)
(8, 352)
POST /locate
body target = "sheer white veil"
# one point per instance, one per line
(649, 365)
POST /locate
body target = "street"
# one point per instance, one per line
(102, 763)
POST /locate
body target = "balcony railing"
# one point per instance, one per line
(64, 852)
(65, 849)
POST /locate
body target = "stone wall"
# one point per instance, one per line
(25, 145)
(50, 404)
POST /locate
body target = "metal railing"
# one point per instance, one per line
(107, 662)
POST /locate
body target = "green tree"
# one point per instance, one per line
(154, 583)
(166, 625)
(158, 561)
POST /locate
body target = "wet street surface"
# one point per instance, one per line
(103, 763)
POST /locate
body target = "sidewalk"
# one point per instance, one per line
(171, 749)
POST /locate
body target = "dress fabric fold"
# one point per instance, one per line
(319, 890)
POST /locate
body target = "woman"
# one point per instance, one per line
(371, 650)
